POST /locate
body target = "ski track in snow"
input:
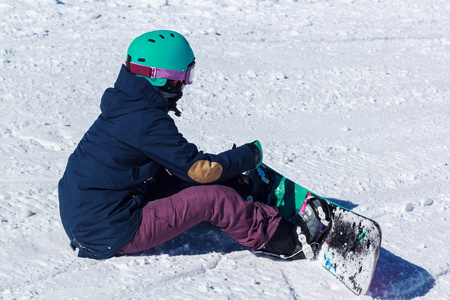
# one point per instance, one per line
(348, 98)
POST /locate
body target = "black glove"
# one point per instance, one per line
(257, 152)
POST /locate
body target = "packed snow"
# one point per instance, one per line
(351, 99)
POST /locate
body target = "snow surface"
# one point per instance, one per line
(348, 98)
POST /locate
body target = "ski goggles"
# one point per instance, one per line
(186, 76)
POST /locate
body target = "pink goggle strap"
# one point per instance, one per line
(155, 72)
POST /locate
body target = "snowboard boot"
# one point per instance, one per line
(301, 236)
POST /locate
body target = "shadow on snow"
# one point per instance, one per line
(202, 239)
(343, 203)
(396, 278)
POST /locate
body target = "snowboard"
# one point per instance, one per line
(350, 249)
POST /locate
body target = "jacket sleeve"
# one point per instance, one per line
(162, 142)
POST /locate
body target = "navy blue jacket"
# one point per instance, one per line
(128, 143)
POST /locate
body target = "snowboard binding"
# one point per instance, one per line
(262, 185)
(313, 222)
(253, 185)
(301, 236)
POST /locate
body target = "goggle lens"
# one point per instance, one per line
(190, 73)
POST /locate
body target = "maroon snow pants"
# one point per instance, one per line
(251, 224)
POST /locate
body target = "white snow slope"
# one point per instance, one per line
(348, 98)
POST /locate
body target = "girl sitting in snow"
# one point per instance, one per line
(134, 182)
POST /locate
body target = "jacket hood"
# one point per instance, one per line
(131, 93)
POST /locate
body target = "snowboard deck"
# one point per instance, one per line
(350, 249)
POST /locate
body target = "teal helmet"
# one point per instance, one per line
(161, 55)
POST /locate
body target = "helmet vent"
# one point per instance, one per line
(152, 41)
(162, 36)
(141, 59)
(172, 35)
